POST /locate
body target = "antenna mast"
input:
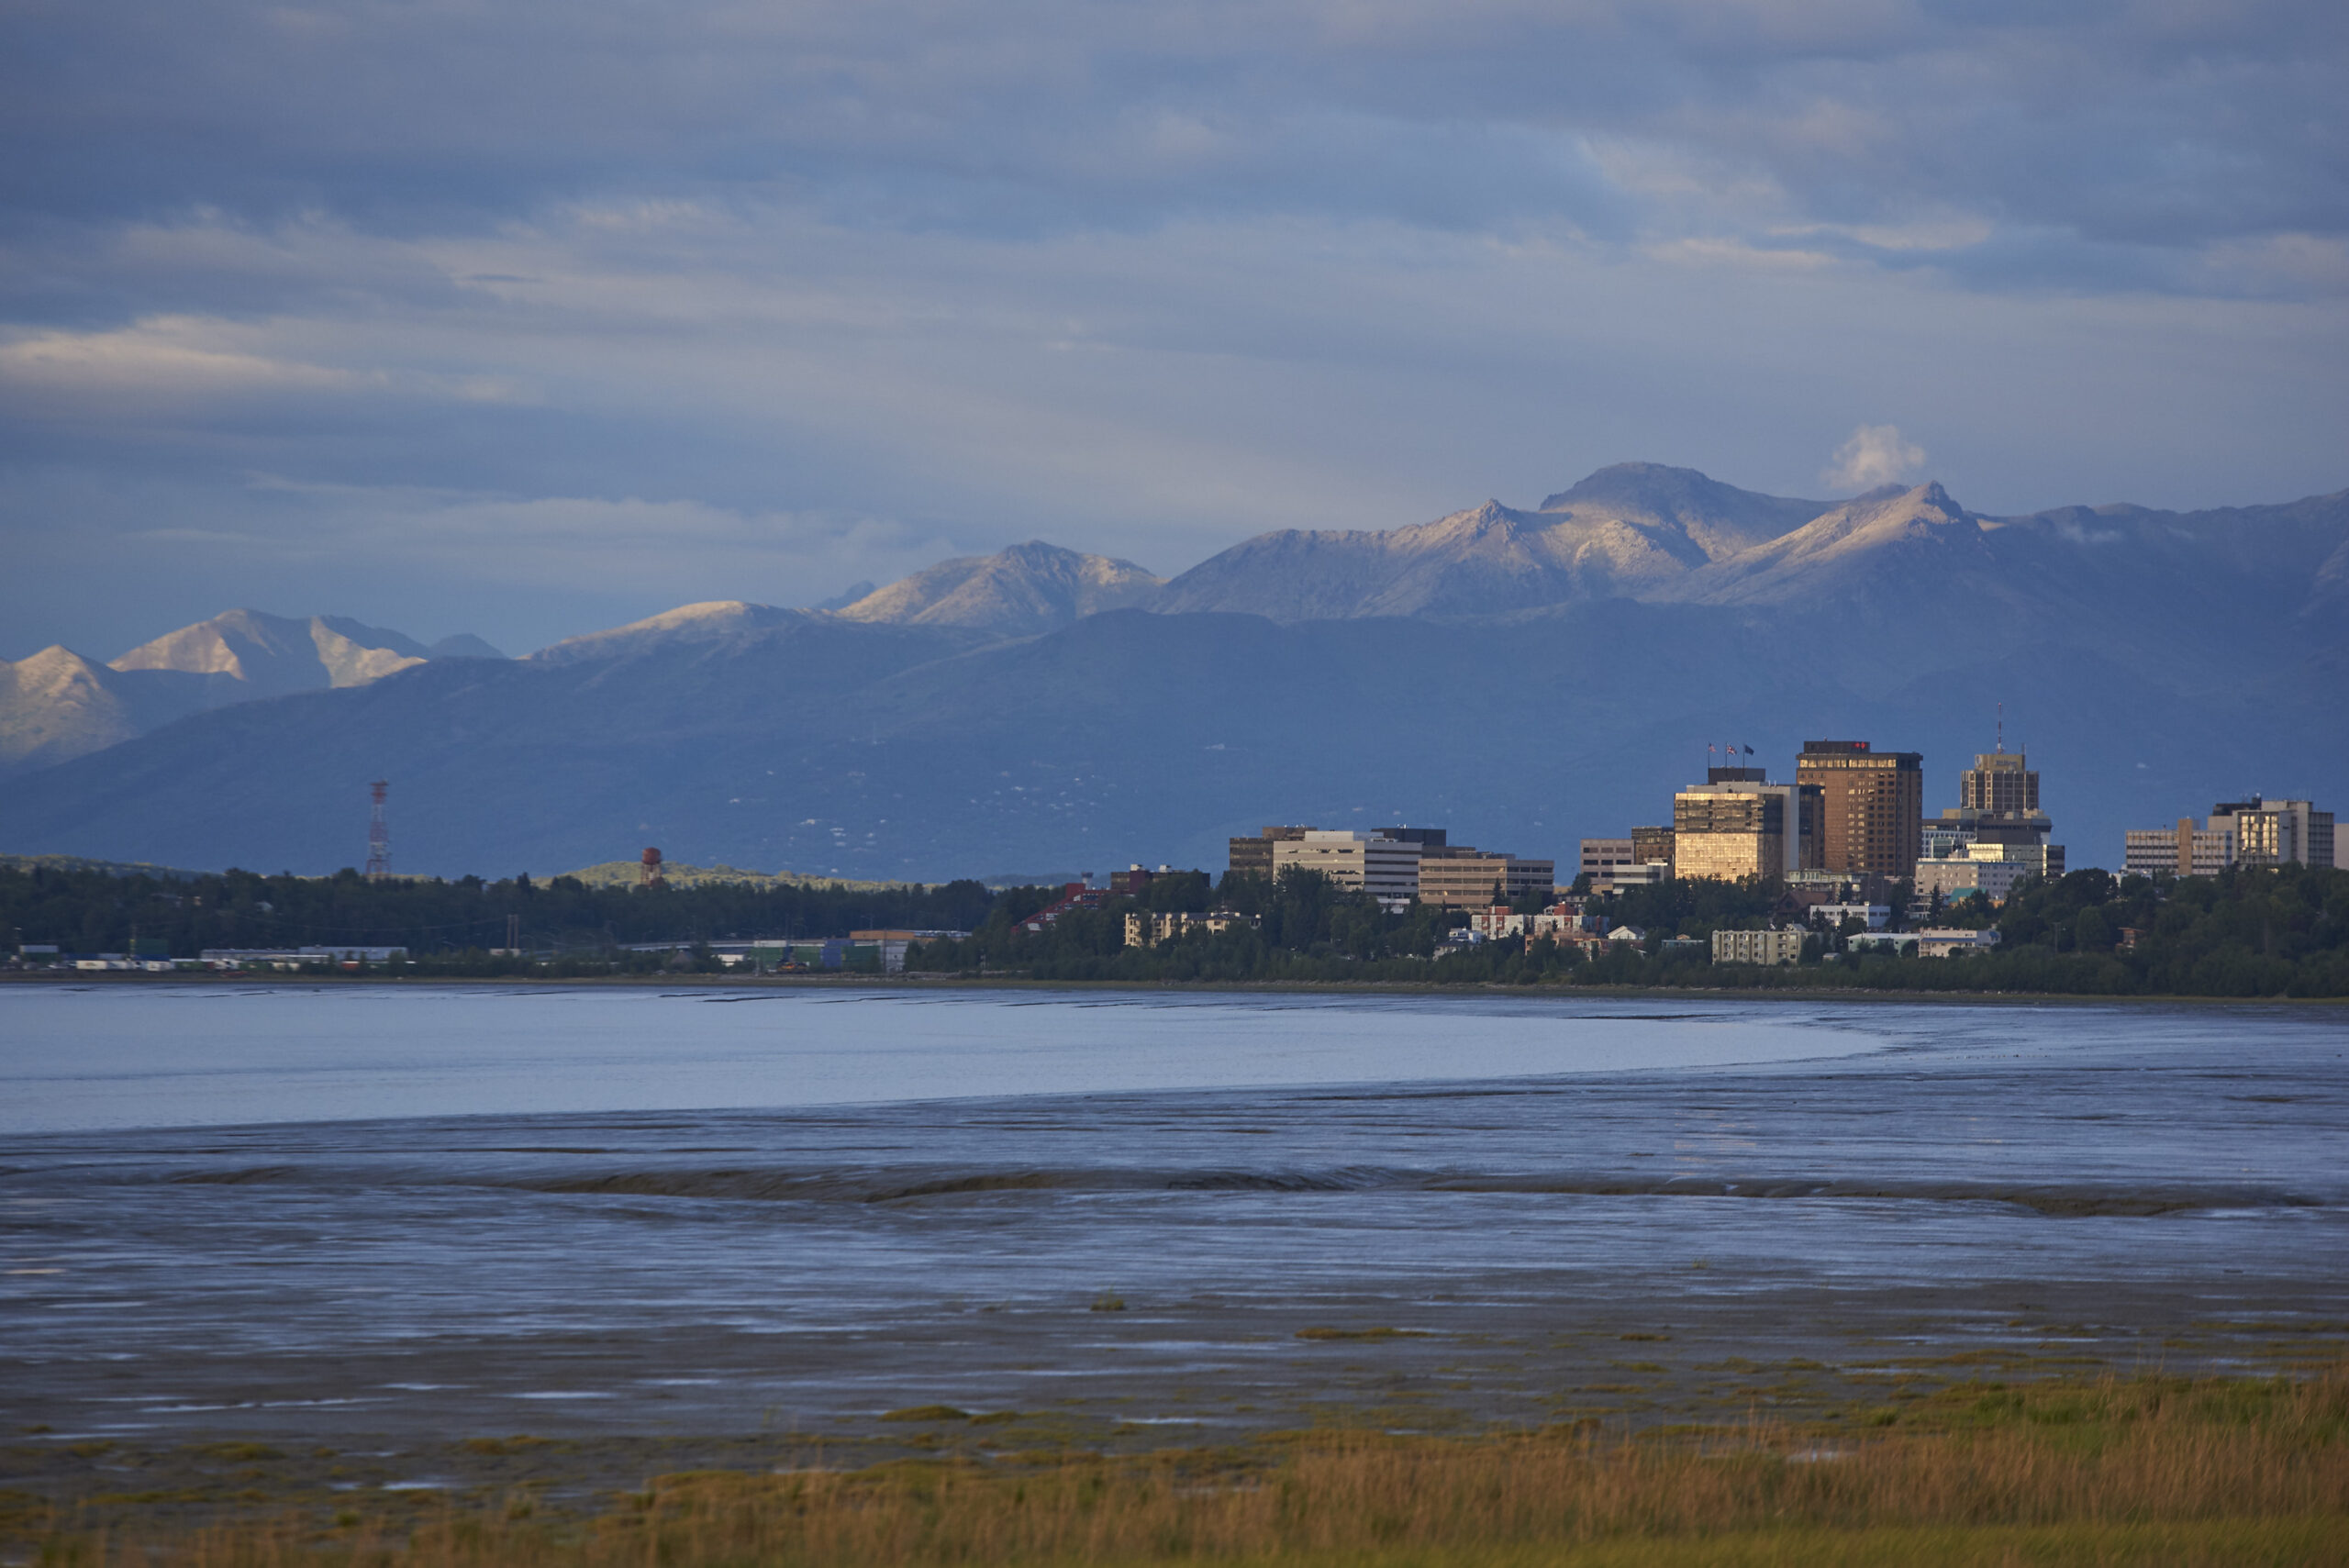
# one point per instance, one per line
(2002, 727)
(379, 838)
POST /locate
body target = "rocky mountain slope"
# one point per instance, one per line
(1019, 592)
(1630, 531)
(57, 705)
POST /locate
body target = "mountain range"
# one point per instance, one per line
(57, 705)
(1524, 677)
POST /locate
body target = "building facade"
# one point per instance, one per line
(1255, 855)
(1736, 826)
(1386, 869)
(2254, 832)
(1147, 927)
(1654, 846)
(1458, 876)
(1601, 856)
(2000, 783)
(1757, 947)
(2276, 832)
(1873, 805)
(1962, 876)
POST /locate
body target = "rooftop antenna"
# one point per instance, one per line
(2003, 727)
(379, 838)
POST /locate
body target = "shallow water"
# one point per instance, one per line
(367, 1209)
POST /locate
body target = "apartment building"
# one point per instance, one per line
(1149, 928)
(1872, 805)
(1758, 947)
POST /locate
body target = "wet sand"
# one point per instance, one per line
(211, 1319)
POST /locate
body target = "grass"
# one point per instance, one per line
(2139, 1470)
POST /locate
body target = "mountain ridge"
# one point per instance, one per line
(1527, 676)
(56, 704)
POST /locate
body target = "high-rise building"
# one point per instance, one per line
(1873, 803)
(1388, 868)
(2001, 783)
(1255, 854)
(1997, 820)
(1736, 826)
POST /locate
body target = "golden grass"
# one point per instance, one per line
(2147, 1470)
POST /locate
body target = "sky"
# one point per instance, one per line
(526, 318)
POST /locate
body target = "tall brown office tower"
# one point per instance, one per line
(2000, 783)
(1875, 805)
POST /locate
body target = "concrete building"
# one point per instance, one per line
(1255, 855)
(1386, 869)
(2254, 832)
(1875, 917)
(1642, 861)
(294, 958)
(1147, 928)
(1601, 856)
(894, 943)
(1654, 846)
(1965, 875)
(1942, 942)
(1758, 947)
(1873, 805)
(1990, 869)
(2276, 832)
(2000, 783)
(1737, 825)
(1459, 876)
(1900, 944)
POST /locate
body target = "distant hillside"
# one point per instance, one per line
(106, 868)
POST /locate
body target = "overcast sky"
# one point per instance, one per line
(524, 318)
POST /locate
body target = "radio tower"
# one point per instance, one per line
(379, 838)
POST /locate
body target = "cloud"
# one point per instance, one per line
(1876, 454)
(628, 285)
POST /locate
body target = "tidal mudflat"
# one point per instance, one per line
(374, 1235)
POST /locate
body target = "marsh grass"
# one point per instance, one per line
(2142, 1471)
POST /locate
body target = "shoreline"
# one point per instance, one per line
(1226, 987)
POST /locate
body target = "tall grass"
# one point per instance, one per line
(2146, 1470)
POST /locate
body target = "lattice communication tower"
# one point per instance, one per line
(379, 838)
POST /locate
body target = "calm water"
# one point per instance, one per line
(376, 1210)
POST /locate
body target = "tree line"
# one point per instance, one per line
(2244, 932)
(96, 911)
